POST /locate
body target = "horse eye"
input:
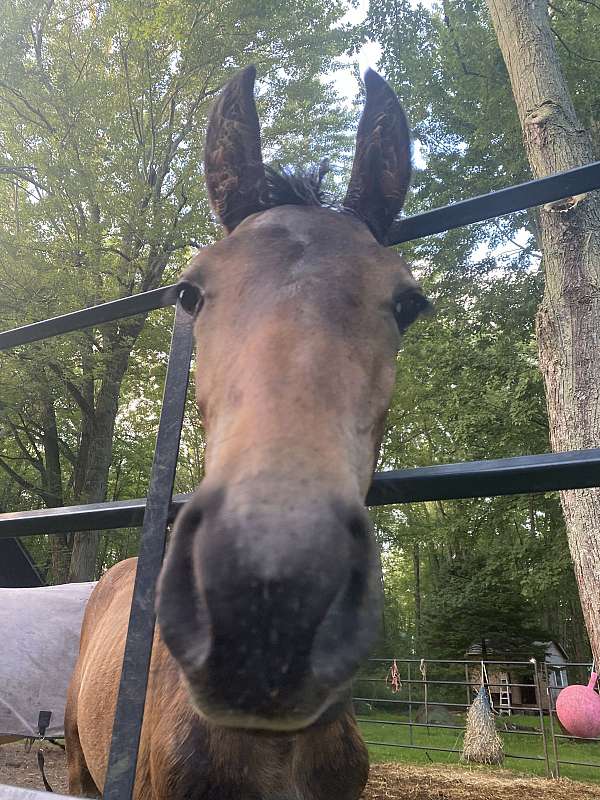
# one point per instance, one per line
(408, 307)
(190, 296)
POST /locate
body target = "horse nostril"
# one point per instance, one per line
(359, 528)
(351, 624)
(193, 519)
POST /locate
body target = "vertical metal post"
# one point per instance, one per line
(410, 719)
(467, 687)
(551, 709)
(426, 693)
(538, 689)
(122, 761)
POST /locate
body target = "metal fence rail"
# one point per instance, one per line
(124, 307)
(577, 469)
(477, 209)
(497, 204)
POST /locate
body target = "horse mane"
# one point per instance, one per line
(296, 186)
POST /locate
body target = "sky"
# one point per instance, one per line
(347, 86)
(368, 55)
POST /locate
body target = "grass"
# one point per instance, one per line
(516, 744)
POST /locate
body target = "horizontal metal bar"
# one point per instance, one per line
(409, 724)
(414, 747)
(477, 209)
(412, 702)
(451, 750)
(575, 469)
(416, 682)
(520, 733)
(95, 315)
(449, 661)
(526, 758)
(579, 763)
(496, 204)
(88, 517)
(448, 727)
(579, 738)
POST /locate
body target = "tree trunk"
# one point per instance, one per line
(417, 593)
(60, 544)
(95, 482)
(568, 321)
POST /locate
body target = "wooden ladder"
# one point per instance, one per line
(505, 706)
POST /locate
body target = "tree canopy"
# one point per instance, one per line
(101, 136)
(469, 385)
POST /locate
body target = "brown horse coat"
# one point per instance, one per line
(183, 756)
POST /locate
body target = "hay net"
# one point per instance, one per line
(482, 744)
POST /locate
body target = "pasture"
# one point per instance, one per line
(390, 781)
(432, 737)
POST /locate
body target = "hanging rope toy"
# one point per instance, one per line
(393, 678)
(578, 709)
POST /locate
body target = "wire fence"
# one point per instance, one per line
(421, 705)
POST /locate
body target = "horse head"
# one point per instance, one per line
(270, 595)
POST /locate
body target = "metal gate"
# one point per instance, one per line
(570, 470)
(424, 707)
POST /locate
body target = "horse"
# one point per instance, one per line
(269, 597)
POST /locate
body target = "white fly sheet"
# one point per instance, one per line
(39, 643)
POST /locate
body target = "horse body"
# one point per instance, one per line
(183, 756)
(270, 594)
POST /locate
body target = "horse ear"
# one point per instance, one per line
(233, 165)
(382, 160)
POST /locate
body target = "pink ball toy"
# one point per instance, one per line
(578, 709)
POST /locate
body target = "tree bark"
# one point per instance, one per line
(95, 481)
(60, 544)
(568, 320)
(417, 592)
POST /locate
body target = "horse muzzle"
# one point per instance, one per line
(269, 609)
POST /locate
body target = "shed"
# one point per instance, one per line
(16, 566)
(513, 687)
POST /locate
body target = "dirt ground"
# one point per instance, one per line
(20, 768)
(388, 781)
(418, 782)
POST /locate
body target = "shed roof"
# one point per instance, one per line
(475, 650)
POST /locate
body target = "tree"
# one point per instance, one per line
(101, 134)
(474, 602)
(468, 388)
(471, 389)
(568, 321)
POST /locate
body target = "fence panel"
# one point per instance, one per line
(445, 716)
